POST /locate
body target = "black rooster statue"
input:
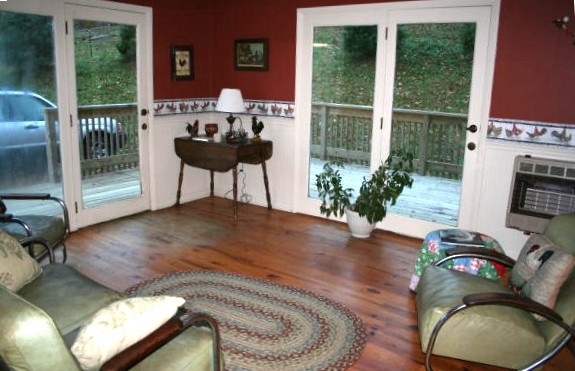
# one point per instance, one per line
(193, 129)
(257, 128)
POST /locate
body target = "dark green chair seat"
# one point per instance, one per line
(60, 284)
(52, 229)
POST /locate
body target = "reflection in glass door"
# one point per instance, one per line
(343, 78)
(431, 95)
(106, 83)
(30, 158)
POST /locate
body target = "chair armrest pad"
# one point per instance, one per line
(476, 252)
(161, 336)
(5, 217)
(25, 196)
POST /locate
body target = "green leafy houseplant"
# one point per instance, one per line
(376, 194)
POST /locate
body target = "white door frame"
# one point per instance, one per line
(141, 18)
(387, 16)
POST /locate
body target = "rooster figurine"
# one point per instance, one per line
(193, 129)
(257, 128)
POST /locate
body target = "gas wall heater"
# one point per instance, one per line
(541, 188)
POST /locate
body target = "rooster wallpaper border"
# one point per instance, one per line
(203, 105)
(511, 130)
(535, 132)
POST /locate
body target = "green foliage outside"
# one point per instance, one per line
(433, 66)
(105, 59)
(106, 64)
(338, 76)
(27, 57)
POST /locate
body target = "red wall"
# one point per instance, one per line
(181, 22)
(535, 63)
(534, 71)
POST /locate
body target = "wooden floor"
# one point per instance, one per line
(369, 276)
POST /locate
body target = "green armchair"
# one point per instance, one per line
(518, 326)
(40, 322)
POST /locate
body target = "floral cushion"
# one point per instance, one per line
(540, 270)
(433, 249)
(120, 325)
(17, 267)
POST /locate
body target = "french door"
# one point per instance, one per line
(77, 98)
(108, 54)
(421, 57)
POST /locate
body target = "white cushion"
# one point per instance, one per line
(120, 325)
(17, 267)
(541, 269)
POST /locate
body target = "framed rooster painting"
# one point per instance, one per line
(182, 57)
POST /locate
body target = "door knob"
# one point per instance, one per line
(144, 112)
(144, 126)
(472, 128)
(471, 146)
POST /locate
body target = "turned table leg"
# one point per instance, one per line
(266, 183)
(211, 183)
(235, 191)
(180, 180)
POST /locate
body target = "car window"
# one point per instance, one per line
(22, 108)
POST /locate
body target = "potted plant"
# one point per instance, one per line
(376, 194)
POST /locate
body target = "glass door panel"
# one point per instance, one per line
(108, 138)
(29, 129)
(343, 78)
(431, 95)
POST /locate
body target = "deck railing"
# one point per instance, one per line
(98, 122)
(436, 139)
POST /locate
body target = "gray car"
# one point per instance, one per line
(23, 138)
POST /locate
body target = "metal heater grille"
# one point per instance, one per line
(541, 188)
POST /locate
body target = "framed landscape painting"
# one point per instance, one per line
(251, 54)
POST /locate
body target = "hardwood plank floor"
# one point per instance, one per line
(369, 276)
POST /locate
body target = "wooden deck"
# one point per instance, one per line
(431, 198)
(96, 190)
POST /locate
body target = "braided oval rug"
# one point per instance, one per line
(265, 325)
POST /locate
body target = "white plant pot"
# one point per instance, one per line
(358, 225)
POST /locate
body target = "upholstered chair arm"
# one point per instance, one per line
(505, 299)
(475, 252)
(511, 300)
(29, 338)
(168, 331)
